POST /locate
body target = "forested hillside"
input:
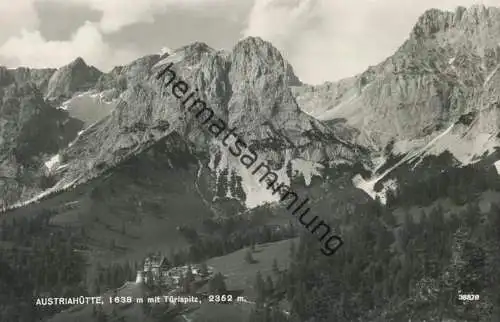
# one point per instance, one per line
(401, 261)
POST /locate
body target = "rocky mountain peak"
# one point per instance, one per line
(75, 77)
(193, 53)
(78, 63)
(255, 58)
(259, 78)
(257, 45)
(259, 57)
(196, 47)
(433, 21)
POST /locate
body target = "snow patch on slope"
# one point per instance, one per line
(307, 168)
(41, 195)
(497, 165)
(165, 50)
(52, 162)
(368, 185)
(405, 146)
(465, 151)
(256, 191)
(65, 105)
(90, 106)
(365, 185)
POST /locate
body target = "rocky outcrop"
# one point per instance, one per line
(72, 78)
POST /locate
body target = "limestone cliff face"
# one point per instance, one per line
(448, 68)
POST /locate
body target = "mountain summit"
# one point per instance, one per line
(75, 77)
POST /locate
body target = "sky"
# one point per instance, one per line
(324, 40)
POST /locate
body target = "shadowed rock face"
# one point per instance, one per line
(448, 67)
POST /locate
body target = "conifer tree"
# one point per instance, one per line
(204, 269)
(259, 287)
(217, 285)
(276, 269)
